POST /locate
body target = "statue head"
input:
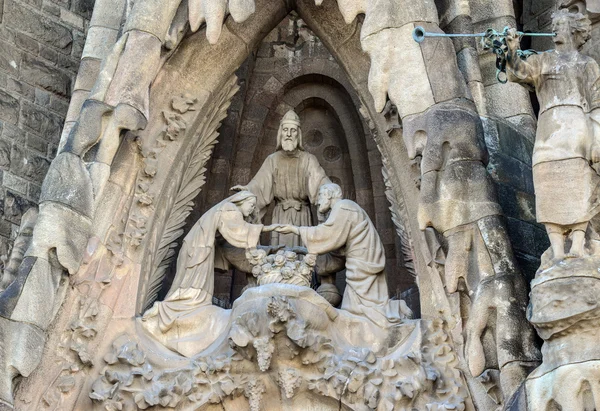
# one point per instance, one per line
(289, 136)
(245, 202)
(571, 27)
(328, 195)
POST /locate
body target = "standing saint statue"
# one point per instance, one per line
(350, 229)
(291, 177)
(186, 320)
(566, 83)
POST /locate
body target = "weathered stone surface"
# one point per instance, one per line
(14, 207)
(10, 58)
(68, 183)
(27, 164)
(68, 240)
(23, 18)
(39, 298)
(407, 83)
(100, 42)
(41, 122)
(43, 75)
(19, 355)
(9, 108)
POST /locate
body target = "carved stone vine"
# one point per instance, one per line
(135, 220)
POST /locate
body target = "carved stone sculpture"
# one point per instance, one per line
(282, 345)
(175, 320)
(564, 298)
(290, 177)
(348, 227)
(458, 200)
(566, 83)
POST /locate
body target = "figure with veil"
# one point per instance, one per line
(174, 321)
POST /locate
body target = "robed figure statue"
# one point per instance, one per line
(291, 178)
(176, 321)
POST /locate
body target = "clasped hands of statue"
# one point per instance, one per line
(282, 229)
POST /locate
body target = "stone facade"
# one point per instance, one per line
(41, 44)
(259, 204)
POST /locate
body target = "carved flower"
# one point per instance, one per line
(145, 199)
(103, 390)
(130, 354)
(305, 271)
(287, 273)
(290, 256)
(124, 379)
(266, 268)
(175, 125)
(184, 103)
(256, 271)
(279, 260)
(255, 256)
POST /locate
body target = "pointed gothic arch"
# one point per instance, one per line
(193, 60)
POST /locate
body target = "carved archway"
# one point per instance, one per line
(182, 68)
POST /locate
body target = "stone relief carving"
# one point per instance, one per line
(290, 178)
(418, 370)
(565, 173)
(192, 182)
(120, 103)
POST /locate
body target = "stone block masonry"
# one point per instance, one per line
(41, 44)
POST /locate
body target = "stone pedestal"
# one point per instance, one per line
(565, 310)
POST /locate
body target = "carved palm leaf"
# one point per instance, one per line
(190, 186)
(400, 219)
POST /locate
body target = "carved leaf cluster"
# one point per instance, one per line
(442, 366)
(400, 219)
(426, 378)
(130, 381)
(74, 352)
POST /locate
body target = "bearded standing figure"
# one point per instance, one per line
(566, 84)
(291, 177)
(350, 229)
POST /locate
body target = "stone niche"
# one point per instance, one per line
(292, 69)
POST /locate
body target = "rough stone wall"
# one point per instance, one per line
(41, 43)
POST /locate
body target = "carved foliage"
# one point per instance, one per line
(129, 381)
(135, 219)
(400, 219)
(192, 181)
(306, 360)
(74, 353)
